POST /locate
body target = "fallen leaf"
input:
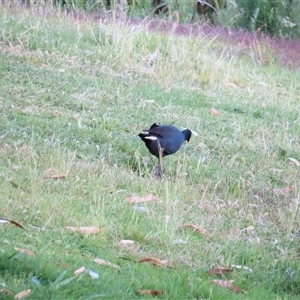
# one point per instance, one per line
(214, 112)
(227, 284)
(155, 261)
(250, 229)
(150, 292)
(295, 161)
(25, 251)
(57, 176)
(64, 265)
(6, 292)
(196, 228)
(208, 208)
(86, 230)
(126, 242)
(52, 173)
(233, 85)
(137, 199)
(22, 294)
(219, 271)
(79, 271)
(103, 262)
(283, 191)
(4, 221)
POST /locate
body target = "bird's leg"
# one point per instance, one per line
(157, 174)
(159, 170)
(160, 155)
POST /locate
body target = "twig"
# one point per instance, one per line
(18, 186)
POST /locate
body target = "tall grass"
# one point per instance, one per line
(275, 17)
(278, 17)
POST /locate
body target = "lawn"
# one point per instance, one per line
(224, 221)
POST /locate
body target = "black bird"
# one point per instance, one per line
(163, 140)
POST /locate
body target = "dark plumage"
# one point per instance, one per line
(168, 137)
(162, 140)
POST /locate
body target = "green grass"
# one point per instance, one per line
(74, 96)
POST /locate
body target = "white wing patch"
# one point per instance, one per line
(153, 138)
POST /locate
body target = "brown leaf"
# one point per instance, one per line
(25, 251)
(236, 289)
(103, 262)
(64, 265)
(155, 261)
(59, 176)
(150, 292)
(137, 199)
(56, 176)
(214, 112)
(219, 271)
(208, 208)
(6, 292)
(227, 284)
(83, 229)
(195, 228)
(79, 271)
(283, 191)
(52, 173)
(11, 221)
(22, 294)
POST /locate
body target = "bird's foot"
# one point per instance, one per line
(157, 174)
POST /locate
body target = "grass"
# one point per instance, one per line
(76, 93)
